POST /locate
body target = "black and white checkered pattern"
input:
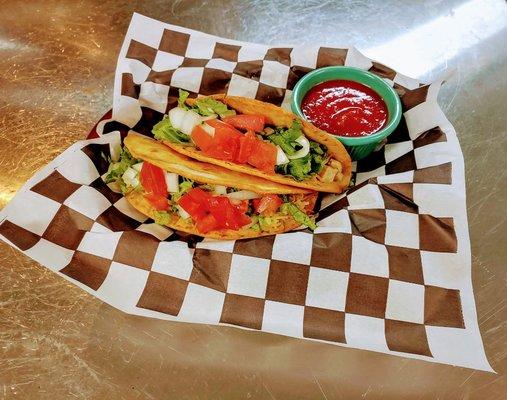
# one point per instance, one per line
(388, 269)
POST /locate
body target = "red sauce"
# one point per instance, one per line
(345, 108)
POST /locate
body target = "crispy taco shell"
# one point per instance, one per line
(146, 149)
(287, 223)
(281, 118)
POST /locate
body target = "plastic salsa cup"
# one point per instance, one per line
(358, 147)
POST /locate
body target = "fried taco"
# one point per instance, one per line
(256, 138)
(205, 199)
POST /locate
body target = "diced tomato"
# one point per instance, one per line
(196, 203)
(263, 156)
(226, 141)
(227, 214)
(199, 195)
(268, 204)
(241, 206)
(247, 122)
(243, 219)
(160, 203)
(153, 179)
(246, 147)
(201, 138)
(222, 209)
(206, 224)
(255, 204)
(213, 212)
(217, 124)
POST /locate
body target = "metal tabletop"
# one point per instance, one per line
(57, 61)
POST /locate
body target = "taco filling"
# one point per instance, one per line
(177, 200)
(246, 139)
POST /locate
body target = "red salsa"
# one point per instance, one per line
(345, 108)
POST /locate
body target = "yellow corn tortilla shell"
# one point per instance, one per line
(281, 118)
(287, 223)
(146, 149)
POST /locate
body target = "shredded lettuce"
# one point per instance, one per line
(117, 169)
(183, 95)
(208, 106)
(184, 187)
(163, 130)
(265, 222)
(307, 166)
(261, 223)
(300, 168)
(162, 217)
(286, 138)
(298, 215)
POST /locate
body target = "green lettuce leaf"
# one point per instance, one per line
(184, 187)
(165, 131)
(117, 169)
(208, 106)
(162, 217)
(183, 95)
(298, 215)
(286, 138)
(307, 166)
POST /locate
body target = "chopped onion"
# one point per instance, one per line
(184, 120)
(130, 177)
(138, 166)
(209, 129)
(281, 157)
(219, 189)
(243, 195)
(183, 214)
(171, 180)
(176, 117)
(302, 152)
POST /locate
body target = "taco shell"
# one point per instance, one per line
(146, 149)
(281, 118)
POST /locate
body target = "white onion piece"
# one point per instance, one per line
(171, 180)
(191, 120)
(209, 129)
(130, 177)
(243, 195)
(138, 166)
(183, 214)
(176, 117)
(219, 189)
(184, 120)
(302, 152)
(281, 157)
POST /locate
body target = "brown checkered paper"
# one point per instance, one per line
(387, 270)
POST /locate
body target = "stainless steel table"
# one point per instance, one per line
(57, 61)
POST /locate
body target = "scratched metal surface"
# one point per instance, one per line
(57, 63)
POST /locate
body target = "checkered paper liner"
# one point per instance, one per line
(387, 270)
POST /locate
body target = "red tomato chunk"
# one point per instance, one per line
(247, 122)
(213, 212)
